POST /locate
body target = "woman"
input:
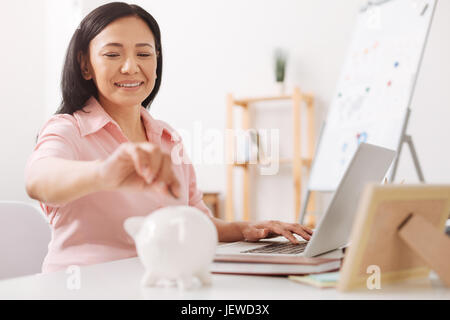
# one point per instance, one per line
(102, 158)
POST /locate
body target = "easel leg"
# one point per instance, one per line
(394, 168)
(407, 139)
(431, 244)
(415, 159)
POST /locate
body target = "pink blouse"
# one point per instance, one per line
(90, 230)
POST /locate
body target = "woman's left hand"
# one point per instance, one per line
(270, 229)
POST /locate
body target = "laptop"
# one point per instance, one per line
(370, 163)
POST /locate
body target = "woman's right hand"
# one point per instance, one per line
(139, 167)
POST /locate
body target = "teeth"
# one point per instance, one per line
(130, 85)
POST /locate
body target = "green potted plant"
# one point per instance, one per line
(280, 69)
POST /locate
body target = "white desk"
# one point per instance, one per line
(121, 280)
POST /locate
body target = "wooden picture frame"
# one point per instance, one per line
(376, 239)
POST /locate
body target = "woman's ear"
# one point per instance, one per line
(84, 64)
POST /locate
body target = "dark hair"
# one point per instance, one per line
(75, 89)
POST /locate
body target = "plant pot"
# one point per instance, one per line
(280, 88)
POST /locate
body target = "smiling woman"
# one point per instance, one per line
(86, 44)
(118, 68)
(103, 158)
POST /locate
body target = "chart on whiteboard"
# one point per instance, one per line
(375, 86)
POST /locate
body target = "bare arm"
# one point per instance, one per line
(228, 231)
(58, 181)
(132, 166)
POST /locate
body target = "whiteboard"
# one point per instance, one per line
(375, 87)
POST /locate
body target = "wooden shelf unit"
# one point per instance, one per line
(298, 161)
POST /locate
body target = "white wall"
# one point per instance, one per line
(22, 59)
(212, 48)
(61, 20)
(429, 122)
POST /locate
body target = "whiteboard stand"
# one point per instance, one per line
(407, 139)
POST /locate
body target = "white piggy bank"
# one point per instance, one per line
(175, 244)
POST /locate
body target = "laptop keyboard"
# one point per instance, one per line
(280, 248)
